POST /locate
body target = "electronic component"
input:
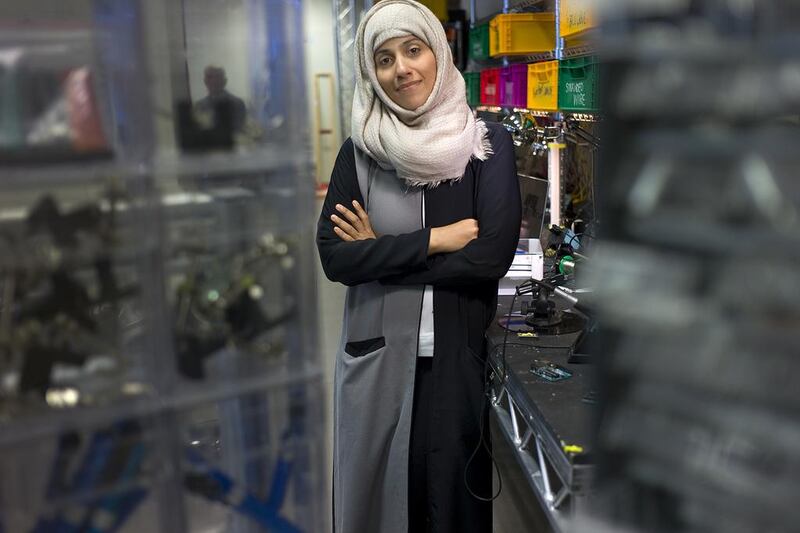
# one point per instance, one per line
(549, 371)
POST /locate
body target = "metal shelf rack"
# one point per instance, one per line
(158, 369)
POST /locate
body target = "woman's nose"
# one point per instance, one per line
(403, 68)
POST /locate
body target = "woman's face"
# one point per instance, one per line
(406, 70)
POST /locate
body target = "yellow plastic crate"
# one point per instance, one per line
(575, 17)
(521, 34)
(439, 8)
(543, 86)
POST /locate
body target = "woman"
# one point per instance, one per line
(421, 219)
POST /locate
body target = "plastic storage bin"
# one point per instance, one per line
(473, 82)
(514, 80)
(439, 8)
(479, 43)
(491, 87)
(578, 84)
(521, 34)
(576, 16)
(543, 86)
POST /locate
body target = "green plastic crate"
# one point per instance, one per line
(479, 43)
(578, 84)
(473, 81)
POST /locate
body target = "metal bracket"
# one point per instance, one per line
(548, 493)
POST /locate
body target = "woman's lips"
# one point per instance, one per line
(408, 86)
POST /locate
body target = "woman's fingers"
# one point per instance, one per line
(354, 220)
(344, 225)
(364, 220)
(355, 226)
(360, 211)
(342, 235)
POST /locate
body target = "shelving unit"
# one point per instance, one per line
(561, 51)
(158, 364)
(560, 480)
(697, 399)
(580, 117)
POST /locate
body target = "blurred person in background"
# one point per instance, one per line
(215, 81)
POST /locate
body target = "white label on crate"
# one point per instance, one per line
(575, 87)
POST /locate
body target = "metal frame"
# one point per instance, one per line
(347, 14)
(558, 486)
(344, 13)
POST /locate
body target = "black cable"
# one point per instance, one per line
(505, 336)
(574, 236)
(486, 389)
(487, 386)
(482, 442)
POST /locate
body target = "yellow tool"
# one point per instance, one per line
(572, 448)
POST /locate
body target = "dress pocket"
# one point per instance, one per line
(365, 347)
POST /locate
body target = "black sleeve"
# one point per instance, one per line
(499, 212)
(357, 262)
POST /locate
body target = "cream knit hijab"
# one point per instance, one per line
(434, 142)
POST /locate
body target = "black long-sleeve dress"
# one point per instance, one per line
(438, 440)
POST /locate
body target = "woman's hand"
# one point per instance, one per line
(352, 226)
(453, 237)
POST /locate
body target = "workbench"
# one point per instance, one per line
(547, 424)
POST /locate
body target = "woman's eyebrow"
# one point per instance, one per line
(407, 41)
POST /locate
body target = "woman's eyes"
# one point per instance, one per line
(385, 61)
